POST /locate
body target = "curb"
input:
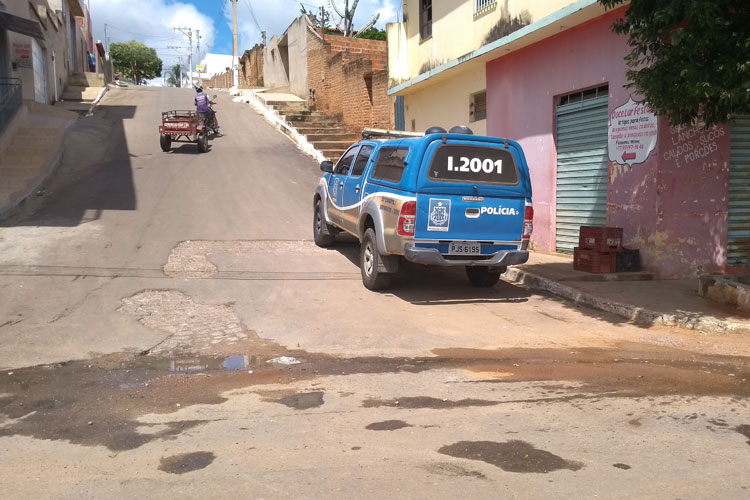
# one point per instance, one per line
(637, 315)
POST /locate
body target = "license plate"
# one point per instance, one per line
(464, 248)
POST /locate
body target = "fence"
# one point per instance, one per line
(10, 100)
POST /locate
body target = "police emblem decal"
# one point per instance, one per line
(440, 215)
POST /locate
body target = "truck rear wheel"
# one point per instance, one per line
(165, 142)
(482, 275)
(369, 263)
(322, 233)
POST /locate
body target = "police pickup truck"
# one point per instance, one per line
(442, 198)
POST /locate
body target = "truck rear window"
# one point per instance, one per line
(390, 164)
(473, 164)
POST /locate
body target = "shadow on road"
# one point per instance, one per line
(95, 174)
(429, 285)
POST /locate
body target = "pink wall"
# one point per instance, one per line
(672, 207)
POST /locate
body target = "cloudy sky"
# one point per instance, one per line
(151, 22)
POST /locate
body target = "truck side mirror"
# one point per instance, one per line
(326, 166)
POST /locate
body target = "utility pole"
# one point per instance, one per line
(198, 44)
(189, 33)
(235, 61)
(106, 43)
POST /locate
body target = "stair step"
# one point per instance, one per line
(38, 131)
(44, 141)
(348, 137)
(332, 154)
(14, 183)
(327, 145)
(25, 156)
(86, 80)
(16, 170)
(8, 195)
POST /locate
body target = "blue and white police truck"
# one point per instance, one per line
(442, 198)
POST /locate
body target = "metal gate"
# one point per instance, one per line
(40, 72)
(398, 107)
(581, 169)
(738, 238)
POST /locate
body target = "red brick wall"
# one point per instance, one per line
(251, 68)
(222, 81)
(340, 70)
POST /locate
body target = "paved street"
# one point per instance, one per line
(169, 329)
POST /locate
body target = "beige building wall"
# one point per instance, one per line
(446, 104)
(456, 31)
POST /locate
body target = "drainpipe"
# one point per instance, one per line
(54, 74)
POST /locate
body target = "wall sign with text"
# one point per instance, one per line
(633, 130)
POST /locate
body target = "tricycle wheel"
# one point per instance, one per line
(203, 143)
(166, 142)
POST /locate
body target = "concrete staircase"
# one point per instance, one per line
(326, 133)
(83, 88)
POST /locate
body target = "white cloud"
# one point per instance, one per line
(151, 22)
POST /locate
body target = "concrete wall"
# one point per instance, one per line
(349, 79)
(446, 104)
(673, 207)
(285, 60)
(60, 29)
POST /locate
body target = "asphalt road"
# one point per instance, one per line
(151, 303)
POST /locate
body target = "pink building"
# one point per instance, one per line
(597, 157)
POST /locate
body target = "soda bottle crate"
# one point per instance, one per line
(594, 261)
(602, 238)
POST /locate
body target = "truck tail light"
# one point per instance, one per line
(528, 224)
(407, 218)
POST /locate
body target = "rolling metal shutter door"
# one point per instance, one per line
(738, 241)
(581, 169)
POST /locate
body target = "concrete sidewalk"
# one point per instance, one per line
(634, 296)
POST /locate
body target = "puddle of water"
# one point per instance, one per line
(186, 462)
(511, 456)
(426, 402)
(387, 425)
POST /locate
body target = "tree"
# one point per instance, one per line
(689, 59)
(174, 76)
(135, 61)
(347, 17)
(372, 34)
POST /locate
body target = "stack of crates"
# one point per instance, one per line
(597, 249)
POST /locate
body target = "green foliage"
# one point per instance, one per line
(372, 34)
(174, 74)
(135, 61)
(690, 59)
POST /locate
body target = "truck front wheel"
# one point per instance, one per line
(482, 275)
(369, 262)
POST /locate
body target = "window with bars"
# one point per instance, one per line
(478, 106)
(584, 95)
(425, 19)
(483, 5)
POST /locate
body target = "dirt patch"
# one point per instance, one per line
(186, 462)
(511, 456)
(387, 425)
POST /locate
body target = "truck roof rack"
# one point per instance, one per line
(369, 133)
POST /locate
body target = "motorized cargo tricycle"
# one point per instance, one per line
(183, 126)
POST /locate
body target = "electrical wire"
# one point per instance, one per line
(252, 13)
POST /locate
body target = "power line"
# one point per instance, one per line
(166, 37)
(252, 13)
